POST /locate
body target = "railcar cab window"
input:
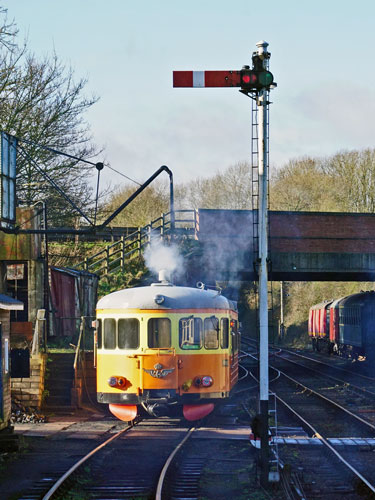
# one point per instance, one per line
(159, 332)
(109, 334)
(211, 333)
(190, 333)
(128, 333)
(99, 336)
(224, 333)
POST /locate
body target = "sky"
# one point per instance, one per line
(321, 58)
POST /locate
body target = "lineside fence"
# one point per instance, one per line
(114, 257)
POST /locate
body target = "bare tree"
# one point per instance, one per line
(149, 205)
(354, 179)
(302, 185)
(230, 189)
(40, 101)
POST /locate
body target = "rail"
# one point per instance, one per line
(114, 257)
(61, 480)
(314, 431)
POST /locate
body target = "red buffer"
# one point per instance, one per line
(206, 79)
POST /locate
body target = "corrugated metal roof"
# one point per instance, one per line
(10, 304)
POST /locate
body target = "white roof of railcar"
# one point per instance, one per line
(175, 297)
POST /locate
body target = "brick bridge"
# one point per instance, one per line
(304, 246)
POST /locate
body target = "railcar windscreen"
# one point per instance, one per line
(211, 333)
(159, 332)
(190, 333)
(109, 333)
(128, 333)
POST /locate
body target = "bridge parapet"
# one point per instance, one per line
(325, 246)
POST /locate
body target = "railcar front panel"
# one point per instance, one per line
(166, 356)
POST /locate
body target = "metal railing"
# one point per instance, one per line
(113, 257)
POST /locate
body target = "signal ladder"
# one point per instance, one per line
(274, 462)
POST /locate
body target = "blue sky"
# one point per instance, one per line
(322, 60)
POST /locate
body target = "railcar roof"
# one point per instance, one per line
(360, 298)
(321, 305)
(175, 297)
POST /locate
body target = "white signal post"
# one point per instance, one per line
(262, 105)
(256, 81)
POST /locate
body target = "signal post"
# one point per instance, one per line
(256, 83)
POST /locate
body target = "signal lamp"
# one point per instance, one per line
(265, 78)
(249, 79)
(255, 80)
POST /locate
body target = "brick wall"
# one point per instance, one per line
(289, 231)
(322, 232)
(29, 391)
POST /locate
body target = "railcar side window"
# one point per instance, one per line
(128, 333)
(235, 336)
(99, 334)
(224, 333)
(190, 333)
(159, 332)
(109, 334)
(211, 333)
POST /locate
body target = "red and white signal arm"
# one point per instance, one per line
(201, 79)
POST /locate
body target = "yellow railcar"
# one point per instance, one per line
(171, 349)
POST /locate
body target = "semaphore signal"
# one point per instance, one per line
(255, 82)
(246, 79)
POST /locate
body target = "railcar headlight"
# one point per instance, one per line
(207, 381)
(204, 381)
(119, 382)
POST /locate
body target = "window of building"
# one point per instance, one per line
(159, 332)
(109, 334)
(190, 333)
(128, 333)
(211, 333)
(224, 333)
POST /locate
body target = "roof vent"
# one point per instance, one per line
(163, 279)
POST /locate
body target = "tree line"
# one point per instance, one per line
(343, 182)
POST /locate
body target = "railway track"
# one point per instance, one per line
(354, 392)
(326, 419)
(331, 368)
(127, 465)
(156, 458)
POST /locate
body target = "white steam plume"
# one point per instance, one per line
(158, 257)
